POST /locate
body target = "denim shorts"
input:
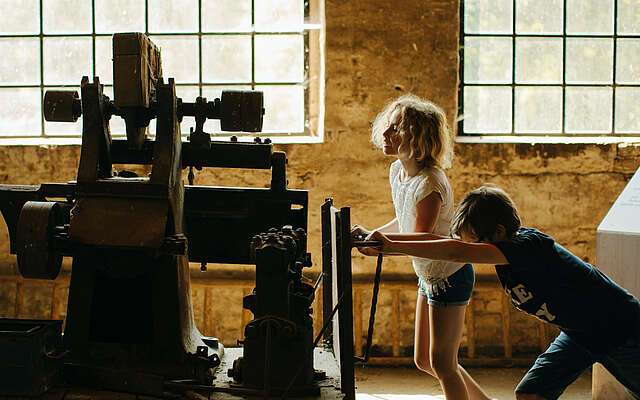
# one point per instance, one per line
(565, 360)
(456, 293)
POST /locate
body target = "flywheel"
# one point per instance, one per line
(36, 257)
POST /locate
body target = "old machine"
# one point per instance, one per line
(130, 325)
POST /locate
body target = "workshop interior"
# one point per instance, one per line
(136, 239)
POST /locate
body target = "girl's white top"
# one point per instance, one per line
(406, 193)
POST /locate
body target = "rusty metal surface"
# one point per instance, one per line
(120, 222)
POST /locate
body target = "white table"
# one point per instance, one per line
(618, 256)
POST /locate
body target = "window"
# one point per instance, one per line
(550, 67)
(208, 46)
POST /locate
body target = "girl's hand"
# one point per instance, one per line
(358, 232)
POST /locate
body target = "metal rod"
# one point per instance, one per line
(372, 313)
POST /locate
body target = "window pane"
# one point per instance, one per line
(65, 128)
(539, 16)
(20, 113)
(116, 124)
(487, 109)
(480, 54)
(488, 16)
(20, 17)
(119, 16)
(179, 56)
(279, 58)
(627, 110)
(590, 17)
(589, 60)
(173, 16)
(628, 61)
(104, 59)
(20, 61)
(588, 110)
(226, 59)
(628, 17)
(56, 16)
(215, 92)
(226, 16)
(538, 110)
(67, 60)
(279, 15)
(284, 108)
(538, 60)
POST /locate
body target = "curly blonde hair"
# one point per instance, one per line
(422, 125)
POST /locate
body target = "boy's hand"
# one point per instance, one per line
(385, 243)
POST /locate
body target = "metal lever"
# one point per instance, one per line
(372, 313)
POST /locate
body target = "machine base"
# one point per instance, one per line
(223, 388)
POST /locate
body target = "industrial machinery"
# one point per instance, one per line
(130, 323)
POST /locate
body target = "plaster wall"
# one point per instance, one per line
(374, 52)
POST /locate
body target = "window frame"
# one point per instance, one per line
(312, 33)
(544, 137)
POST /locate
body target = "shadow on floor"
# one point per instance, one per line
(403, 383)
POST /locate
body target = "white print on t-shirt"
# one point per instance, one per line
(519, 295)
(543, 313)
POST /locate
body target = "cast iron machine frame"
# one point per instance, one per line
(130, 324)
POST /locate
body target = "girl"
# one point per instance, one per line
(416, 132)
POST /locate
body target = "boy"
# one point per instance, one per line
(599, 320)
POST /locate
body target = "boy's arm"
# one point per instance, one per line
(414, 236)
(443, 249)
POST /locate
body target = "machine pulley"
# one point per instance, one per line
(37, 258)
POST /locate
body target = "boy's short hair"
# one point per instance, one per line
(423, 126)
(482, 210)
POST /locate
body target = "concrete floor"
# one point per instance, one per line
(403, 383)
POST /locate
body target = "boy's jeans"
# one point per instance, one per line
(565, 360)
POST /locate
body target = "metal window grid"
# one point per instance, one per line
(513, 85)
(200, 34)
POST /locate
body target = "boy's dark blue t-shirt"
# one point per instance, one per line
(545, 280)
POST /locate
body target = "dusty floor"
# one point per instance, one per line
(402, 383)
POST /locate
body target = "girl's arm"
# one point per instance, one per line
(427, 212)
(357, 230)
(443, 249)
(389, 227)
